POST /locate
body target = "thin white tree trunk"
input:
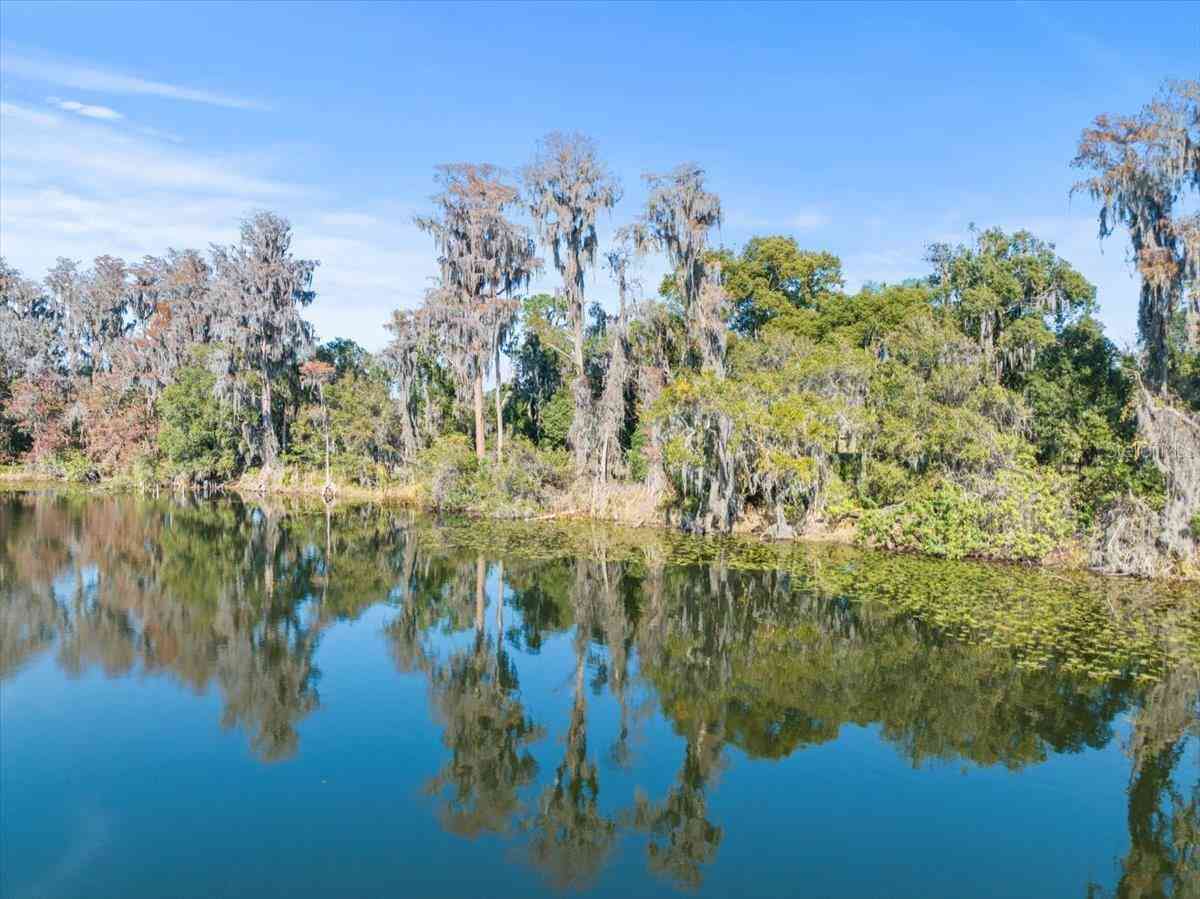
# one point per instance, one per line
(480, 442)
(499, 409)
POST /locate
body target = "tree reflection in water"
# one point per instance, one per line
(236, 597)
(485, 728)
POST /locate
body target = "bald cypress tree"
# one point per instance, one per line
(677, 219)
(620, 374)
(262, 289)
(1144, 170)
(483, 257)
(176, 307)
(402, 356)
(567, 186)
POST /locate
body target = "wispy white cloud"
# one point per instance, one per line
(86, 77)
(31, 116)
(159, 135)
(80, 187)
(87, 110)
(97, 154)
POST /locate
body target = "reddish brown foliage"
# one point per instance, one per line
(314, 371)
(41, 407)
(117, 424)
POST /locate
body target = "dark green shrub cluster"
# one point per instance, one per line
(197, 435)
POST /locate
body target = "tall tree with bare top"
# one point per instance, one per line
(30, 327)
(316, 374)
(176, 307)
(620, 375)
(262, 289)
(1145, 172)
(66, 287)
(107, 307)
(402, 356)
(483, 258)
(676, 222)
(567, 186)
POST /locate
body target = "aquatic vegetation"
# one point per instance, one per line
(1103, 628)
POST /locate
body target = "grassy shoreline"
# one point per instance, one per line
(623, 505)
(618, 505)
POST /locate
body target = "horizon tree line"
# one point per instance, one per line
(753, 383)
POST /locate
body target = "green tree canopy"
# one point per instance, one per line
(774, 278)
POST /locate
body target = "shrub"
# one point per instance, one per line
(1022, 513)
(196, 435)
(117, 423)
(639, 463)
(556, 419)
(445, 470)
(39, 408)
(521, 485)
(146, 469)
(77, 468)
(767, 436)
(363, 430)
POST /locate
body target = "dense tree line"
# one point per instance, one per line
(978, 410)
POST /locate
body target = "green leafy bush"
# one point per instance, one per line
(556, 419)
(1079, 395)
(197, 437)
(521, 485)
(77, 468)
(363, 428)
(147, 469)
(767, 436)
(639, 463)
(1023, 513)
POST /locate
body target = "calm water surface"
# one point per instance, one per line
(218, 699)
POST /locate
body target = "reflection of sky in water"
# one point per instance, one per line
(127, 785)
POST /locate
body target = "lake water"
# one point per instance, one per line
(222, 699)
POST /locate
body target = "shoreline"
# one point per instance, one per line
(1100, 626)
(623, 506)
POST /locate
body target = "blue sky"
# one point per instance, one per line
(867, 130)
